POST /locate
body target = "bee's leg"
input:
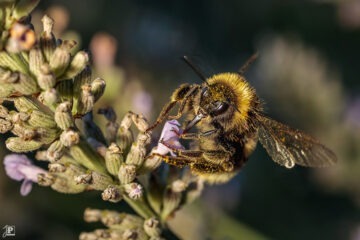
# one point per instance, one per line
(194, 136)
(182, 152)
(205, 167)
(180, 95)
(219, 158)
(176, 161)
(180, 112)
(163, 114)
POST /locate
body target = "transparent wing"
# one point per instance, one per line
(287, 146)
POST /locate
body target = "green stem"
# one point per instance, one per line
(140, 207)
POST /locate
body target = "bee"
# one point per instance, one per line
(230, 121)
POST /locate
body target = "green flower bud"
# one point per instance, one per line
(170, 203)
(46, 78)
(152, 227)
(78, 64)
(63, 116)
(5, 125)
(136, 155)
(65, 90)
(25, 104)
(112, 194)
(127, 173)
(100, 181)
(140, 122)
(47, 39)
(40, 119)
(55, 151)
(26, 85)
(61, 57)
(17, 144)
(69, 138)
(124, 138)
(86, 101)
(98, 88)
(51, 97)
(92, 215)
(45, 180)
(36, 61)
(113, 159)
(56, 168)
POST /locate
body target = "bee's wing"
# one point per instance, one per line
(288, 146)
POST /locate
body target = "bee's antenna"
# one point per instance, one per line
(233, 106)
(196, 69)
(248, 62)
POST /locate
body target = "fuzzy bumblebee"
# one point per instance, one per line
(229, 118)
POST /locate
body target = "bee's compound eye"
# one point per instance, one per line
(219, 108)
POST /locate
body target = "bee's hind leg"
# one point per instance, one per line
(172, 160)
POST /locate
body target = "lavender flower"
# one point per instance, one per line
(19, 167)
(169, 136)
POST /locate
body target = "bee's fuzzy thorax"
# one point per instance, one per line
(241, 95)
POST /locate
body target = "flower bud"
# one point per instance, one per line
(78, 63)
(136, 155)
(46, 78)
(61, 57)
(56, 167)
(25, 104)
(17, 144)
(124, 138)
(51, 97)
(55, 151)
(152, 227)
(112, 194)
(134, 190)
(100, 181)
(47, 39)
(98, 88)
(69, 138)
(113, 159)
(41, 119)
(26, 85)
(63, 116)
(86, 101)
(64, 184)
(83, 154)
(127, 173)
(110, 218)
(12, 62)
(6, 90)
(151, 163)
(5, 125)
(170, 203)
(92, 215)
(36, 60)
(45, 179)
(65, 90)
(140, 122)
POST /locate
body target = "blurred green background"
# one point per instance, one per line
(307, 73)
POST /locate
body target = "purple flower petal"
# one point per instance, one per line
(170, 137)
(19, 167)
(26, 187)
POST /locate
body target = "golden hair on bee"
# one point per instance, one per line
(233, 88)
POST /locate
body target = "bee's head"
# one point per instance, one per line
(215, 100)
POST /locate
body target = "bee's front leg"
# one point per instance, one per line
(195, 136)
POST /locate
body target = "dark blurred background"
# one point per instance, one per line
(307, 73)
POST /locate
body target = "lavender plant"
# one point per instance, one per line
(47, 95)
